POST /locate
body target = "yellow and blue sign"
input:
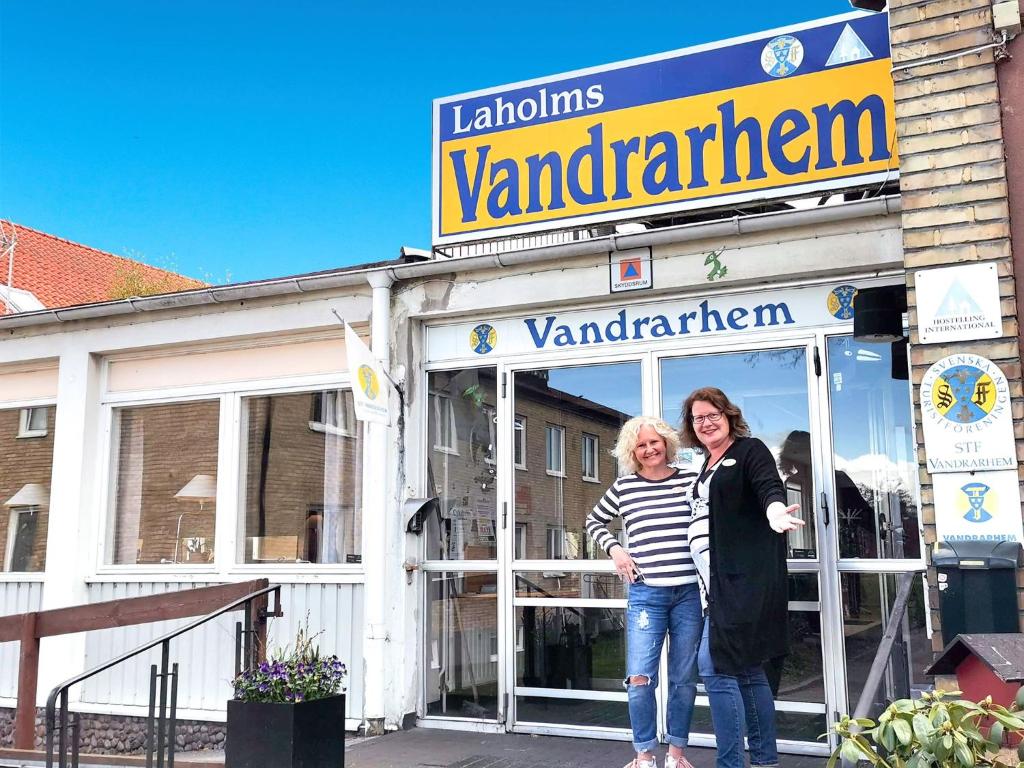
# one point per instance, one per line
(771, 115)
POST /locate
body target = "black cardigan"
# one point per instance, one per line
(748, 594)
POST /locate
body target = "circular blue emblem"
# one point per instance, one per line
(840, 302)
(782, 56)
(483, 338)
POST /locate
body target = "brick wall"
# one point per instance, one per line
(954, 186)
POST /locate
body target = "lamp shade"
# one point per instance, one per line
(30, 495)
(199, 487)
(878, 313)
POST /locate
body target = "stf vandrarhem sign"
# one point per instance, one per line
(774, 114)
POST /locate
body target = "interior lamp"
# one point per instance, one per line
(202, 488)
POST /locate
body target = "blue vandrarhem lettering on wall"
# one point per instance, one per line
(549, 332)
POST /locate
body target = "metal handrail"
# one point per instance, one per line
(61, 690)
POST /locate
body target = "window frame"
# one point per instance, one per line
(228, 492)
(595, 440)
(25, 422)
(519, 441)
(548, 430)
(558, 543)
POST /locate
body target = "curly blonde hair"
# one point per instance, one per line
(626, 443)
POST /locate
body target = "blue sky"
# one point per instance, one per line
(238, 140)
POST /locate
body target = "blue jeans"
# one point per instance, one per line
(651, 613)
(738, 703)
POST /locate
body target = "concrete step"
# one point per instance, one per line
(24, 758)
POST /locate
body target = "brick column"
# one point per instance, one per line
(953, 181)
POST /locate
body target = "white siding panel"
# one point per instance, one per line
(15, 597)
(206, 656)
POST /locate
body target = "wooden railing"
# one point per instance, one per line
(29, 628)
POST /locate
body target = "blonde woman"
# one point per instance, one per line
(651, 498)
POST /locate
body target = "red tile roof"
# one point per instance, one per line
(61, 273)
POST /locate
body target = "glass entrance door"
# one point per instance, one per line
(771, 387)
(567, 604)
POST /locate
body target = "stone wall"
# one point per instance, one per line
(121, 735)
(953, 180)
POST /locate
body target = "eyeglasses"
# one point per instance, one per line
(711, 417)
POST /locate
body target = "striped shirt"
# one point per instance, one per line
(655, 514)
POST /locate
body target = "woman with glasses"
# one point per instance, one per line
(651, 498)
(737, 540)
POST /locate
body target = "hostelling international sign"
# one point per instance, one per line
(776, 114)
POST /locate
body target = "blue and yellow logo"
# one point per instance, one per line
(975, 494)
(964, 394)
(782, 56)
(840, 301)
(368, 382)
(483, 338)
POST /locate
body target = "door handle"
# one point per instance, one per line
(824, 508)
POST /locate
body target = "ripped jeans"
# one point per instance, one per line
(651, 614)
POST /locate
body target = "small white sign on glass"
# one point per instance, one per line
(958, 304)
(978, 506)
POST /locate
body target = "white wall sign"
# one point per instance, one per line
(369, 389)
(965, 409)
(958, 303)
(630, 323)
(976, 506)
(630, 270)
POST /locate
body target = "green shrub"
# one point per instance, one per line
(936, 731)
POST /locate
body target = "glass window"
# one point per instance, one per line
(873, 439)
(555, 449)
(770, 387)
(302, 479)
(571, 648)
(867, 600)
(164, 497)
(578, 405)
(519, 444)
(520, 542)
(461, 668)
(588, 452)
(461, 470)
(33, 422)
(25, 470)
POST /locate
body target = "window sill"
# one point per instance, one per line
(520, 467)
(15, 577)
(552, 473)
(592, 480)
(31, 434)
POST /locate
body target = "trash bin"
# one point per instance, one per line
(977, 586)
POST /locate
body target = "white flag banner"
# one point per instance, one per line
(369, 391)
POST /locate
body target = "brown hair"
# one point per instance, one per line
(738, 426)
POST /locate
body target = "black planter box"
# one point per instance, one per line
(310, 734)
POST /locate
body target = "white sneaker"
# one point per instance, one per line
(636, 762)
(677, 762)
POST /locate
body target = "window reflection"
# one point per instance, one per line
(462, 645)
(876, 467)
(461, 465)
(301, 462)
(867, 601)
(770, 387)
(567, 463)
(571, 648)
(26, 446)
(165, 483)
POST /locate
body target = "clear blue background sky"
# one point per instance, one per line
(246, 140)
